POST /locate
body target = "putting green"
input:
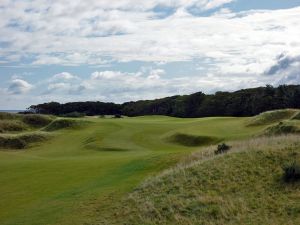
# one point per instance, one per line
(74, 177)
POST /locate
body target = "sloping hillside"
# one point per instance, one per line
(243, 186)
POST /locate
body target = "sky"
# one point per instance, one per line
(126, 50)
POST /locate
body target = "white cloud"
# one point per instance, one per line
(286, 70)
(64, 88)
(106, 75)
(19, 86)
(63, 83)
(233, 50)
(215, 4)
(64, 76)
(72, 33)
(156, 74)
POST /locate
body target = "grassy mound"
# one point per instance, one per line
(270, 117)
(21, 141)
(64, 124)
(244, 186)
(8, 116)
(11, 125)
(287, 127)
(192, 140)
(36, 120)
(19, 122)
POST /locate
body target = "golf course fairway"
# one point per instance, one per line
(76, 175)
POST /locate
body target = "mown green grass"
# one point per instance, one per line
(78, 175)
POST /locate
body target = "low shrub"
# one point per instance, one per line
(222, 148)
(291, 172)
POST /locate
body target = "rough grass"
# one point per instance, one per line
(7, 125)
(244, 186)
(19, 122)
(192, 140)
(286, 127)
(36, 120)
(59, 124)
(8, 116)
(21, 141)
(270, 117)
(296, 116)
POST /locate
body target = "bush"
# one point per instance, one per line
(222, 148)
(291, 172)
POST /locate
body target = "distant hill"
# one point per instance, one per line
(245, 102)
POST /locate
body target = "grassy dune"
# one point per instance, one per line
(244, 186)
(78, 175)
(270, 117)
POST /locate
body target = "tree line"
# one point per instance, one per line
(245, 102)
